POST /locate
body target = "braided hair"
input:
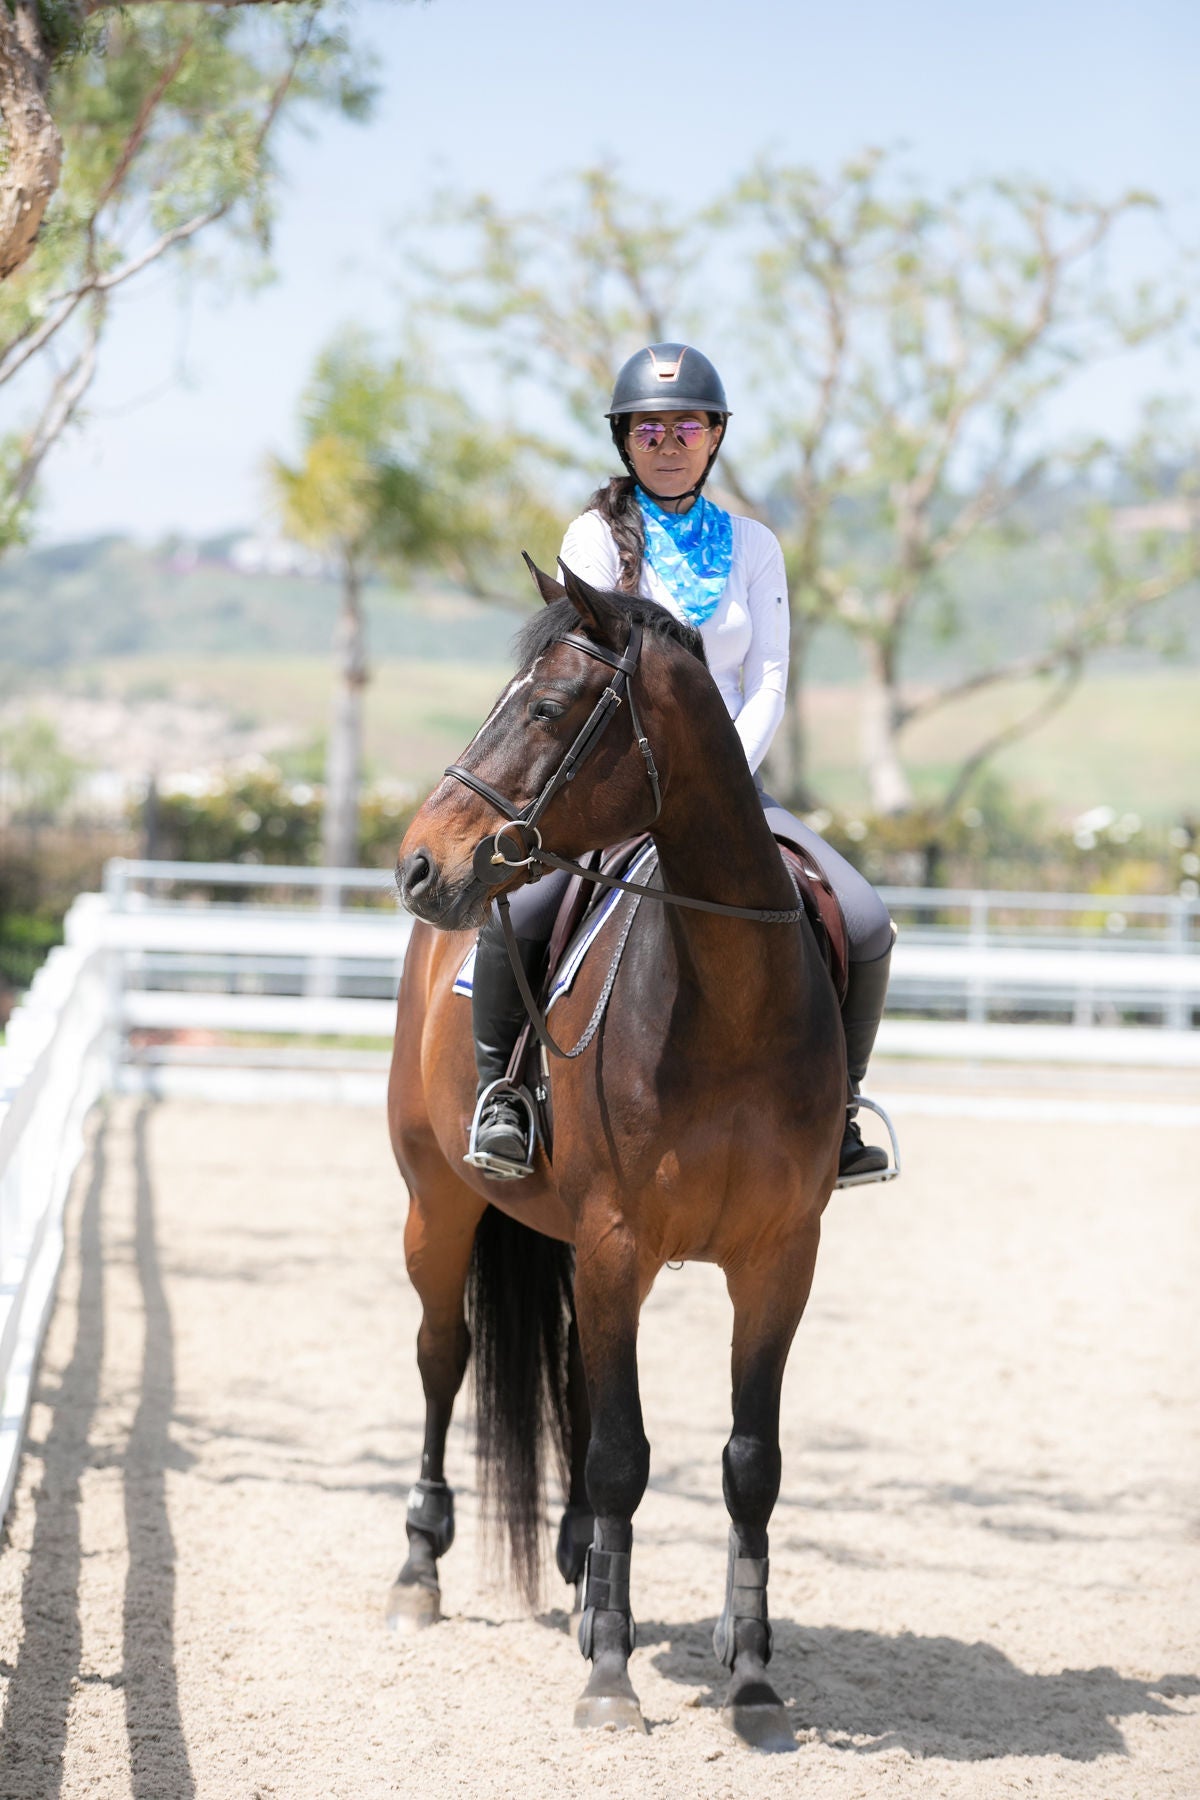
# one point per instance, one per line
(616, 502)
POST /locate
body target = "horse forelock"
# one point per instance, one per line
(551, 623)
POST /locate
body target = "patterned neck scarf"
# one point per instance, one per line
(691, 553)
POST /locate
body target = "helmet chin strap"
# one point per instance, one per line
(665, 500)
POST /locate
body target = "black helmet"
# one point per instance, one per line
(668, 378)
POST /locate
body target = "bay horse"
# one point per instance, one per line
(702, 1123)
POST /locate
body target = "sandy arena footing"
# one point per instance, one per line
(985, 1559)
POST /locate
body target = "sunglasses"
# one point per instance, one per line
(686, 432)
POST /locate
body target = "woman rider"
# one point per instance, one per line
(653, 532)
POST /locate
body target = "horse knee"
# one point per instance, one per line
(617, 1470)
(752, 1468)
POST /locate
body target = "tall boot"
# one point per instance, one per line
(862, 1010)
(497, 1015)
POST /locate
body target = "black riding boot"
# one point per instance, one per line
(497, 1015)
(862, 1010)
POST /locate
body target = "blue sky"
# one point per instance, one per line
(509, 94)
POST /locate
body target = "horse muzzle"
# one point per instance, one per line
(424, 890)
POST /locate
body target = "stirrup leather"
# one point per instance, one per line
(496, 1166)
(890, 1174)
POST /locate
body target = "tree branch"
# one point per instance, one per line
(1037, 715)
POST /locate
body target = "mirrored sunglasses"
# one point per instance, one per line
(686, 432)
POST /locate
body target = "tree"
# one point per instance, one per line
(909, 349)
(395, 472)
(169, 116)
(39, 40)
(902, 351)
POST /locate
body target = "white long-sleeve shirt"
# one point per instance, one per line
(745, 639)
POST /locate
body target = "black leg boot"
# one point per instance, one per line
(501, 1133)
(862, 1010)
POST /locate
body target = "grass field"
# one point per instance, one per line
(1127, 741)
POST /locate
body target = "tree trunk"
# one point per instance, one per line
(30, 145)
(886, 780)
(344, 757)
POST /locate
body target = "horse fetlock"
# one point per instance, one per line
(744, 1625)
(431, 1515)
(574, 1541)
(606, 1624)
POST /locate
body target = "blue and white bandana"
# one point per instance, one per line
(691, 553)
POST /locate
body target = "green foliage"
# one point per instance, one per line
(169, 116)
(397, 471)
(261, 818)
(44, 774)
(1002, 840)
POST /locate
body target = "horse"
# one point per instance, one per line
(702, 1123)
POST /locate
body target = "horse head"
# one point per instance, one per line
(557, 760)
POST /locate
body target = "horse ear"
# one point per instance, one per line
(593, 606)
(547, 587)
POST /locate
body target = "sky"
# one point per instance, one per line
(510, 95)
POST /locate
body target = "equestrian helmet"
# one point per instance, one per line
(667, 378)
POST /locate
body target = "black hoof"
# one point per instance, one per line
(608, 1700)
(411, 1607)
(754, 1712)
(617, 1712)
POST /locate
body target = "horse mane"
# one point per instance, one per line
(552, 622)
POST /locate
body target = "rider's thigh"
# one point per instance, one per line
(868, 921)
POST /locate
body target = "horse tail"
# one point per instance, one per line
(520, 1304)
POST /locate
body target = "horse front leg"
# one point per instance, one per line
(769, 1296)
(438, 1238)
(608, 1297)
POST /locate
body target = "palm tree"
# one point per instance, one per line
(353, 497)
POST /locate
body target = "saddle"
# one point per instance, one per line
(582, 900)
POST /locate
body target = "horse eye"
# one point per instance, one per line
(547, 709)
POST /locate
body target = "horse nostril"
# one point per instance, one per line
(417, 874)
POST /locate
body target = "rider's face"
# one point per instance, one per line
(671, 468)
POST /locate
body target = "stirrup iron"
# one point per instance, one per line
(849, 1181)
(497, 1167)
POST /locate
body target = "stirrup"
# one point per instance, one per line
(849, 1181)
(497, 1166)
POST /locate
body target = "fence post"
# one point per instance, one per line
(977, 937)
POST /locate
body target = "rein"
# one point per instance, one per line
(522, 824)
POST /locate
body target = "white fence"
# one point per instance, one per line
(293, 994)
(56, 1062)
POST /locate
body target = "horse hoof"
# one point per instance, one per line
(411, 1607)
(612, 1712)
(763, 1727)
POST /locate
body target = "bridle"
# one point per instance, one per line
(522, 822)
(489, 853)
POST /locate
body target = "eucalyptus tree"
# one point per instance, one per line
(168, 116)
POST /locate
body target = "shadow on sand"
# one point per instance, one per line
(863, 1692)
(48, 1669)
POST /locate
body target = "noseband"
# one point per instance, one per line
(489, 852)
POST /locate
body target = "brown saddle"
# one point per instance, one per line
(582, 898)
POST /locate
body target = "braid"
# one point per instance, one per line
(617, 505)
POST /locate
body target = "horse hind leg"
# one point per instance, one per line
(577, 1525)
(438, 1239)
(768, 1303)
